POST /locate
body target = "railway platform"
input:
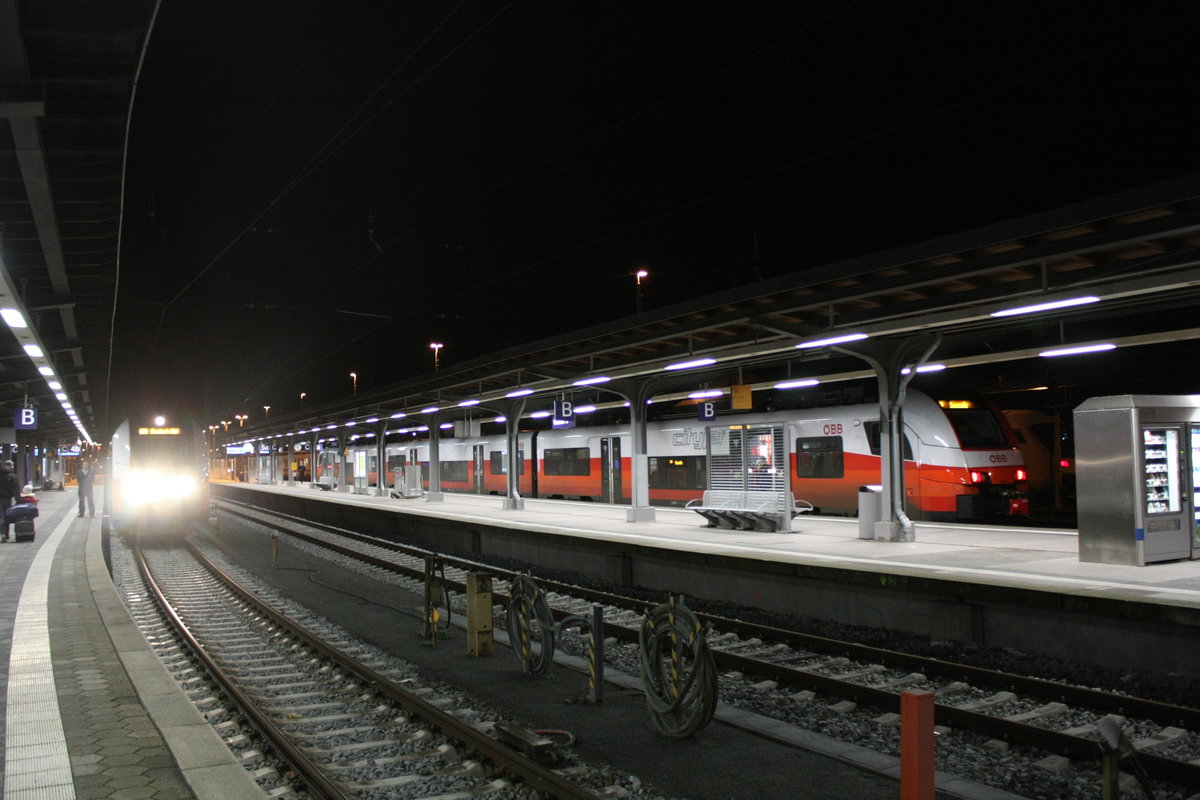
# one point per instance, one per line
(89, 710)
(1014, 587)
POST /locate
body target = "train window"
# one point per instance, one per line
(456, 471)
(820, 457)
(678, 472)
(567, 461)
(497, 465)
(977, 427)
(872, 430)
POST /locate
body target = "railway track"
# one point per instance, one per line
(1054, 717)
(341, 718)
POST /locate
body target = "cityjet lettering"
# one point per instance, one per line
(688, 438)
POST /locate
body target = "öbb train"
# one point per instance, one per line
(159, 474)
(961, 459)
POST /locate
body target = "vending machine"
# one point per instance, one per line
(1138, 478)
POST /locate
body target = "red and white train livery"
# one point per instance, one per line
(960, 456)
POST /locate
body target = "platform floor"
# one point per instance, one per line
(1040, 559)
(89, 710)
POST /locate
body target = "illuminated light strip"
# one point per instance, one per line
(698, 362)
(800, 384)
(466, 403)
(1048, 306)
(848, 337)
(1070, 351)
(429, 410)
(924, 368)
(706, 394)
(592, 381)
(520, 393)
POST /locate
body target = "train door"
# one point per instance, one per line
(477, 466)
(610, 470)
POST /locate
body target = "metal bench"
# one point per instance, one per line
(749, 510)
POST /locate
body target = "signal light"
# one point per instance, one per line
(1065, 463)
(1022, 475)
(978, 477)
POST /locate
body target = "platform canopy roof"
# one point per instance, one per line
(68, 71)
(1132, 258)
(67, 75)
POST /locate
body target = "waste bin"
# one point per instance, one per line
(870, 510)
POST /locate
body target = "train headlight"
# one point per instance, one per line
(150, 486)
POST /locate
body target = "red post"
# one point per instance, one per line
(916, 746)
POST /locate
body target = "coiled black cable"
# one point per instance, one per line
(678, 670)
(530, 625)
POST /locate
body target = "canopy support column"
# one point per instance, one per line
(889, 360)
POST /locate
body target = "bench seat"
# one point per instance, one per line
(748, 510)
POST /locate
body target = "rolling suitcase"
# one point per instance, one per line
(23, 530)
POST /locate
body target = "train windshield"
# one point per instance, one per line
(161, 451)
(976, 426)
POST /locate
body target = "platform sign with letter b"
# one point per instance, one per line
(25, 419)
(706, 410)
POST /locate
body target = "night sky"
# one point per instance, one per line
(330, 188)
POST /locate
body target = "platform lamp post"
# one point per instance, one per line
(226, 423)
(354, 381)
(302, 396)
(241, 418)
(266, 411)
(437, 350)
(641, 273)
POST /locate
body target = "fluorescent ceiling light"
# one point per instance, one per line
(34, 351)
(47, 371)
(466, 403)
(398, 415)
(539, 415)
(13, 318)
(584, 409)
(1070, 351)
(592, 381)
(429, 410)
(500, 419)
(351, 424)
(924, 368)
(698, 362)
(519, 393)
(848, 337)
(800, 384)
(1048, 306)
(372, 420)
(706, 394)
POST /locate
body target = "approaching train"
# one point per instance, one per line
(159, 474)
(960, 455)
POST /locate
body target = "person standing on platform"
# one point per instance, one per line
(86, 478)
(10, 490)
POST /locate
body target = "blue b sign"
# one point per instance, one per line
(707, 410)
(25, 419)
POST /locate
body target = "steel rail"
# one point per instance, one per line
(315, 780)
(500, 756)
(1075, 747)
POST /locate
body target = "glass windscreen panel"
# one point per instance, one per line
(1161, 463)
(1195, 436)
